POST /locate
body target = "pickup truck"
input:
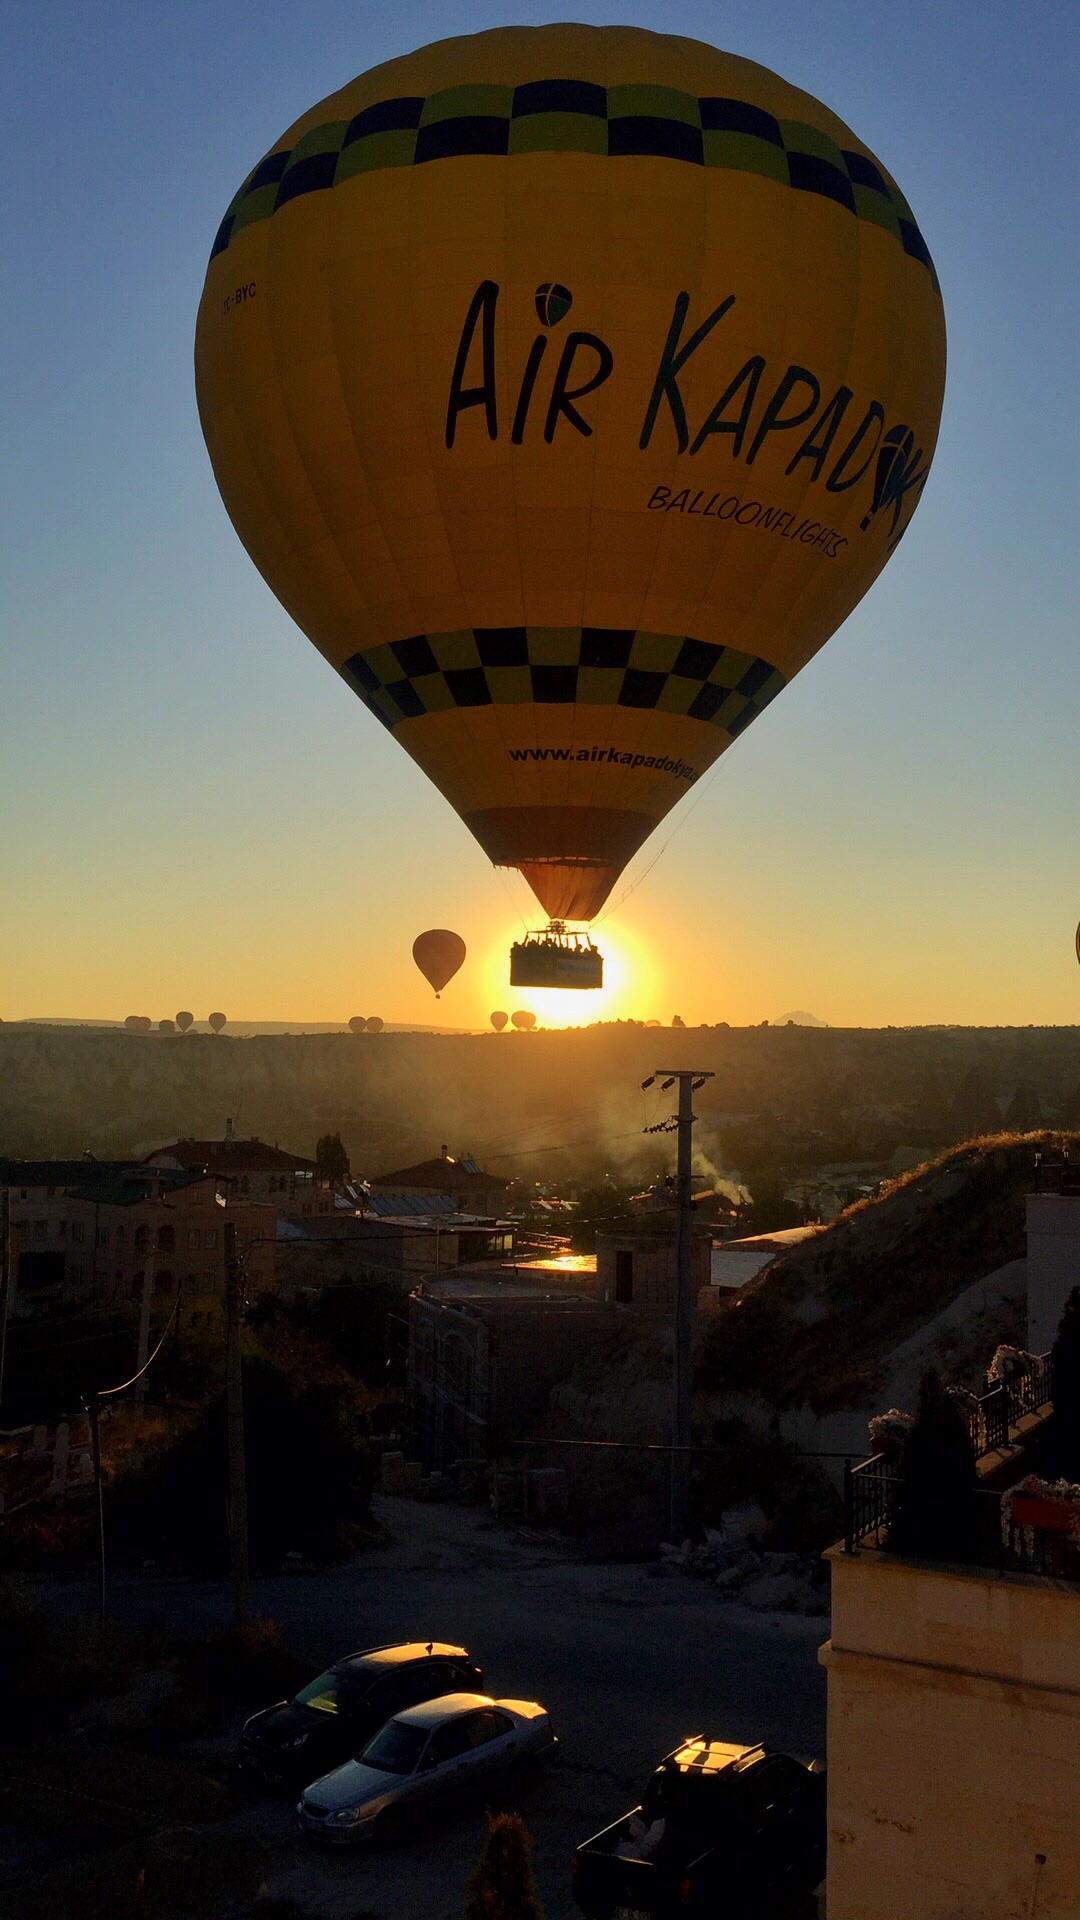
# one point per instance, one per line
(722, 1833)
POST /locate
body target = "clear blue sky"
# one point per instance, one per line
(197, 813)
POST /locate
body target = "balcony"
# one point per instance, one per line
(1035, 1539)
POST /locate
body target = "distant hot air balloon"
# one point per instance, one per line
(166, 1026)
(438, 954)
(569, 385)
(498, 1021)
(184, 1021)
(652, 1023)
(216, 1021)
(132, 1023)
(357, 1023)
(524, 1022)
(374, 1024)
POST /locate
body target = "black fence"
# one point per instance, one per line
(871, 1498)
(1004, 1403)
(871, 1489)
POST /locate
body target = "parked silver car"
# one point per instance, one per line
(419, 1761)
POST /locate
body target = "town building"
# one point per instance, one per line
(954, 1683)
(482, 1362)
(636, 1266)
(251, 1170)
(93, 1231)
(471, 1189)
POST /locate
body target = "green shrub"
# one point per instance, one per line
(502, 1886)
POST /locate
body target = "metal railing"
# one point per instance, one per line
(1004, 1403)
(872, 1487)
(872, 1498)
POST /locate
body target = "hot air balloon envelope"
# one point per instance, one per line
(569, 385)
(216, 1021)
(184, 1021)
(357, 1023)
(374, 1024)
(438, 954)
(498, 1021)
(524, 1022)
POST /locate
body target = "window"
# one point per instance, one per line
(396, 1749)
(194, 1239)
(103, 1236)
(164, 1283)
(450, 1741)
(75, 1275)
(119, 1237)
(210, 1239)
(483, 1727)
(624, 1276)
(137, 1286)
(142, 1236)
(61, 1229)
(78, 1233)
(166, 1239)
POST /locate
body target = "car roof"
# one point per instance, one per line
(432, 1713)
(377, 1659)
(701, 1756)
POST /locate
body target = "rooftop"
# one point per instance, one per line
(128, 1188)
(231, 1156)
(58, 1173)
(444, 1174)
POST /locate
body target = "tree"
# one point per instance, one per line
(1065, 1388)
(331, 1159)
(502, 1886)
(936, 1514)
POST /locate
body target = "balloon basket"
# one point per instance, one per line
(556, 958)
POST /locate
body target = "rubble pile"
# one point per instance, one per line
(734, 1560)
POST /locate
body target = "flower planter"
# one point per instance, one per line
(1053, 1516)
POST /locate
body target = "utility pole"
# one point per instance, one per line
(145, 1304)
(8, 1263)
(234, 1407)
(689, 1080)
(93, 1411)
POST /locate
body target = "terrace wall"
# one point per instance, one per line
(953, 1743)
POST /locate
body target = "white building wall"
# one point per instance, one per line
(1053, 1263)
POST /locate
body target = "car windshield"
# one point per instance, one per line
(326, 1693)
(396, 1749)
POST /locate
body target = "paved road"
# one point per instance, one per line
(626, 1662)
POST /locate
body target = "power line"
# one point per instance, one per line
(105, 1393)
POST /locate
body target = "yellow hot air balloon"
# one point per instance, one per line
(498, 1021)
(524, 1022)
(569, 386)
(438, 954)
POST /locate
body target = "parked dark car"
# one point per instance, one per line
(334, 1716)
(722, 1833)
